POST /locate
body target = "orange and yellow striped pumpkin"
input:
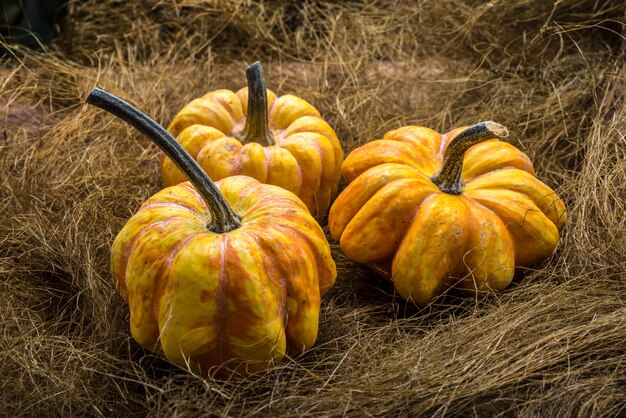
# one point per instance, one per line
(227, 276)
(276, 140)
(434, 211)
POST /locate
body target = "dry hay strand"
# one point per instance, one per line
(551, 344)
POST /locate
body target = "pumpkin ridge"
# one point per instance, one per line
(417, 162)
(500, 231)
(378, 152)
(227, 111)
(130, 245)
(301, 176)
(423, 268)
(472, 226)
(410, 134)
(163, 272)
(263, 197)
(308, 154)
(389, 260)
(492, 155)
(534, 226)
(327, 170)
(388, 232)
(314, 249)
(291, 105)
(192, 131)
(443, 142)
(327, 132)
(259, 211)
(384, 266)
(282, 277)
(212, 110)
(424, 143)
(527, 185)
(268, 164)
(467, 180)
(297, 327)
(339, 219)
(253, 162)
(220, 156)
(273, 155)
(525, 195)
(480, 205)
(253, 293)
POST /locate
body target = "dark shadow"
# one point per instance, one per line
(30, 23)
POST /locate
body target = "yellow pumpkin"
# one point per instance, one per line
(433, 211)
(276, 140)
(226, 276)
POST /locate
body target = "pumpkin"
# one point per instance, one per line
(276, 140)
(228, 274)
(433, 211)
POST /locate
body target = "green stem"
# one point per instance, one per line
(223, 218)
(257, 127)
(448, 179)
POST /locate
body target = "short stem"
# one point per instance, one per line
(223, 218)
(448, 179)
(257, 124)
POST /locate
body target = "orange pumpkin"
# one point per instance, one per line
(276, 140)
(219, 276)
(433, 211)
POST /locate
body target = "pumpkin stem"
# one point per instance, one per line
(448, 179)
(223, 218)
(257, 125)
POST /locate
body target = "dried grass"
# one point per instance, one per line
(551, 345)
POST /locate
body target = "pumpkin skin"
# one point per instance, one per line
(394, 215)
(250, 295)
(302, 155)
(222, 277)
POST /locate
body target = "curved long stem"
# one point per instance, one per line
(448, 179)
(257, 124)
(223, 218)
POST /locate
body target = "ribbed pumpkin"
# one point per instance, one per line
(226, 276)
(276, 140)
(433, 211)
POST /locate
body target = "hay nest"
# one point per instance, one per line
(553, 343)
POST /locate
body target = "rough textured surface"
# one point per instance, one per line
(552, 73)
